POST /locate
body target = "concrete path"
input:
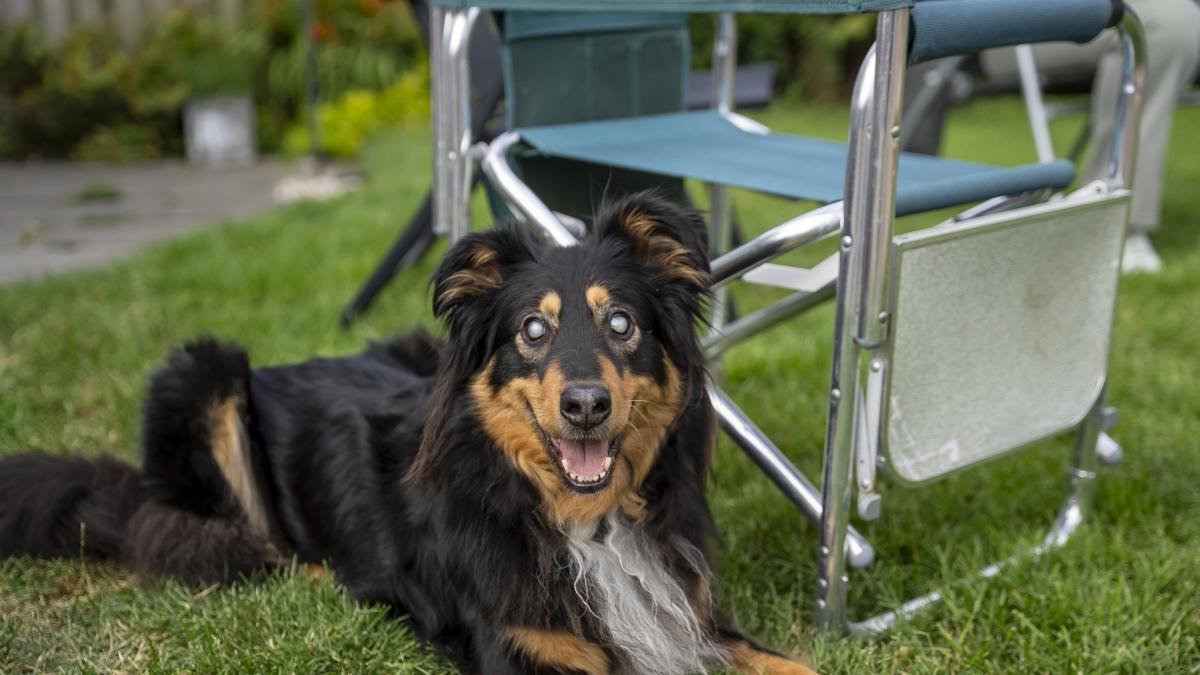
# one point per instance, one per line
(61, 216)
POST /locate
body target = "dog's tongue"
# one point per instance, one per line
(583, 458)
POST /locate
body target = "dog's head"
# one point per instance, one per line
(578, 361)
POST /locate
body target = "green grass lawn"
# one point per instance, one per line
(1124, 596)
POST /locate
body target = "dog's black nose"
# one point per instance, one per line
(585, 405)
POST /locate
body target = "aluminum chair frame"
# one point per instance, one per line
(865, 219)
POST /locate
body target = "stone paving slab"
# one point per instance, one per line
(46, 227)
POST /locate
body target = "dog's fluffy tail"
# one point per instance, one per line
(66, 506)
(193, 511)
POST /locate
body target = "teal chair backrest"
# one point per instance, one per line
(563, 67)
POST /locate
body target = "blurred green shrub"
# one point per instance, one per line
(346, 123)
(817, 55)
(55, 99)
(122, 143)
(89, 97)
(365, 44)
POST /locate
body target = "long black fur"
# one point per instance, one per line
(460, 547)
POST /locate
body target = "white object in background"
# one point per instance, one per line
(220, 130)
(1139, 256)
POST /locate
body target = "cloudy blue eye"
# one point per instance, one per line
(534, 329)
(620, 323)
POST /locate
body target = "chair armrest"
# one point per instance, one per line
(953, 27)
(799, 231)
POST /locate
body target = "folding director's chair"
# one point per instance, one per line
(953, 345)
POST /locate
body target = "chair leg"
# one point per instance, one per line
(781, 471)
(721, 215)
(407, 250)
(1074, 511)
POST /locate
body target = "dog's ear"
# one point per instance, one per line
(670, 239)
(475, 268)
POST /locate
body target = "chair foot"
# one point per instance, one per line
(1108, 451)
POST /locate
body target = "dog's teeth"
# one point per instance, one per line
(572, 476)
(607, 464)
(602, 474)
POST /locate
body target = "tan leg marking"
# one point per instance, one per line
(313, 572)
(558, 649)
(231, 451)
(747, 659)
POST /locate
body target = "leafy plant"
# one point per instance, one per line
(119, 144)
(91, 97)
(23, 55)
(76, 90)
(359, 45)
(200, 56)
(348, 122)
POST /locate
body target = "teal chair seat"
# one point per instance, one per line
(706, 146)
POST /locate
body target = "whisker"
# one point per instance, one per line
(641, 437)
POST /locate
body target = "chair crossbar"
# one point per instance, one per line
(795, 278)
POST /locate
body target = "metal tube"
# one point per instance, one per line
(933, 83)
(437, 104)
(720, 205)
(870, 198)
(1035, 107)
(312, 86)
(459, 165)
(803, 229)
(528, 207)
(1075, 509)
(780, 469)
(871, 188)
(1084, 466)
(724, 62)
(721, 226)
(1005, 203)
(1129, 103)
(717, 342)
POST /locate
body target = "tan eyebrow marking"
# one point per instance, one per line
(597, 297)
(550, 305)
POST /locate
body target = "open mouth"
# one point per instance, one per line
(585, 463)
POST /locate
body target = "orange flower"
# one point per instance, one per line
(323, 31)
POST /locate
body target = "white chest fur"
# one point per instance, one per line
(624, 582)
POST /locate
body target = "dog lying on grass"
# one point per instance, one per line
(531, 496)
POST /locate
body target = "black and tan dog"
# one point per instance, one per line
(531, 496)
